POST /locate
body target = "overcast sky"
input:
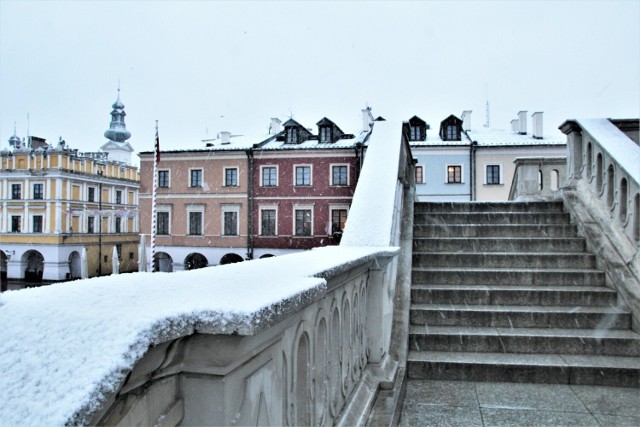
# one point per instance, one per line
(203, 67)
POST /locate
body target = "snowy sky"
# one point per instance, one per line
(202, 67)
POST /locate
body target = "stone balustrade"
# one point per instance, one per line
(537, 178)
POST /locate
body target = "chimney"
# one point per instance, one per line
(466, 120)
(274, 126)
(225, 137)
(515, 126)
(522, 118)
(536, 122)
(367, 118)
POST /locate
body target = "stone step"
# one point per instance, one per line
(494, 231)
(492, 244)
(507, 276)
(518, 316)
(488, 207)
(503, 260)
(525, 340)
(494, 218)
(514, 295)
(533, 368)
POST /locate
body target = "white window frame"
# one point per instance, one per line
(336, 207)
(262, 175)
(446, 173)
(115, 197)
(44, 190)
(96, 196)
(230, 207)
(310, 166)
(271, 208)
(224, 176)
(201, 177)
(486, 165)
(293, 219)
(11, 224)
(195, 208)
(423, 180)
(331, 166)
(31, 228)
(22, 195)
(168, 171)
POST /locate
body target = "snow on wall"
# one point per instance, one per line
(370, 221)
(66, 347)
(616, 143)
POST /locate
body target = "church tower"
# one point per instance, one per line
(117, 146)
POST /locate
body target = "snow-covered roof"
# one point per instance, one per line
(67, 347)
(616, 143)
(236, 143)
(313, 144)
(488, 137)
(434, 140)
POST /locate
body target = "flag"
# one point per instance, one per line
(157, 147)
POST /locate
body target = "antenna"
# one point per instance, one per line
(487, 123)
(28, 137)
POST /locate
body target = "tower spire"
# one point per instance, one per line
(117, 131)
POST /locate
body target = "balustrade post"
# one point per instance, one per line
(379, 310)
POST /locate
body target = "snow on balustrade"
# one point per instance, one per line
(67, 347)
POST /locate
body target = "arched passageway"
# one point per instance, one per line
(195, 261)
(163, 262)
(230, 259)
(34, 266)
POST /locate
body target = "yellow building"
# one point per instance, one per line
(57, 203)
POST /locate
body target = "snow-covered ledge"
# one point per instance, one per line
(538, 178)
(296, 339)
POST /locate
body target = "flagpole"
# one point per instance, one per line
(156, 159)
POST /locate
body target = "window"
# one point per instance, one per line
(118, 225)
(37, 224)
(339, 175)
(454, 174)
(131, 255)
(269, 176)
(16, 191)
(303, 222)
(195, 223)
(91, 224)
(118, 197)
(230, 223)
(453, 133)
(119, 250)
(163, 179)
(415, 134)
(162, 225)
(16, 224)
(292, 135)
(91, 194)
(493, 174)
(338, 220)
(231, 177)
(325, 135)
(303, 175)
(268, 222)
(38, 191)
(419, 175)
(196, 178)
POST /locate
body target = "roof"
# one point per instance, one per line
(487, 137)
(313, 144)
(236, 143)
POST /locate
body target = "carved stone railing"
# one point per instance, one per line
(538, 178)
(602, 193)
(314, 346)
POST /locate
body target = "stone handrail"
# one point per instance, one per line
(602, 193)
(537, 178)
(293, 340)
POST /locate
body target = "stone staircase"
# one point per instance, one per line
(507, 292)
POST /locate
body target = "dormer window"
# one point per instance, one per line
(292, 135)
(451, 129)
(325, 135)
(417, 129)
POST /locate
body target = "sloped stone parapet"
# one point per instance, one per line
(615, 253)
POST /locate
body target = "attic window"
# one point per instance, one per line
(325, 134)
(292, 135)
(453, 133)
(415, 133)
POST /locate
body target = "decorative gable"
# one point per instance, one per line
(295, 133)
(451, 129)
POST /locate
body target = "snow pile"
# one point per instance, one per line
(370, 221)
(67, 347)
(616, 143)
